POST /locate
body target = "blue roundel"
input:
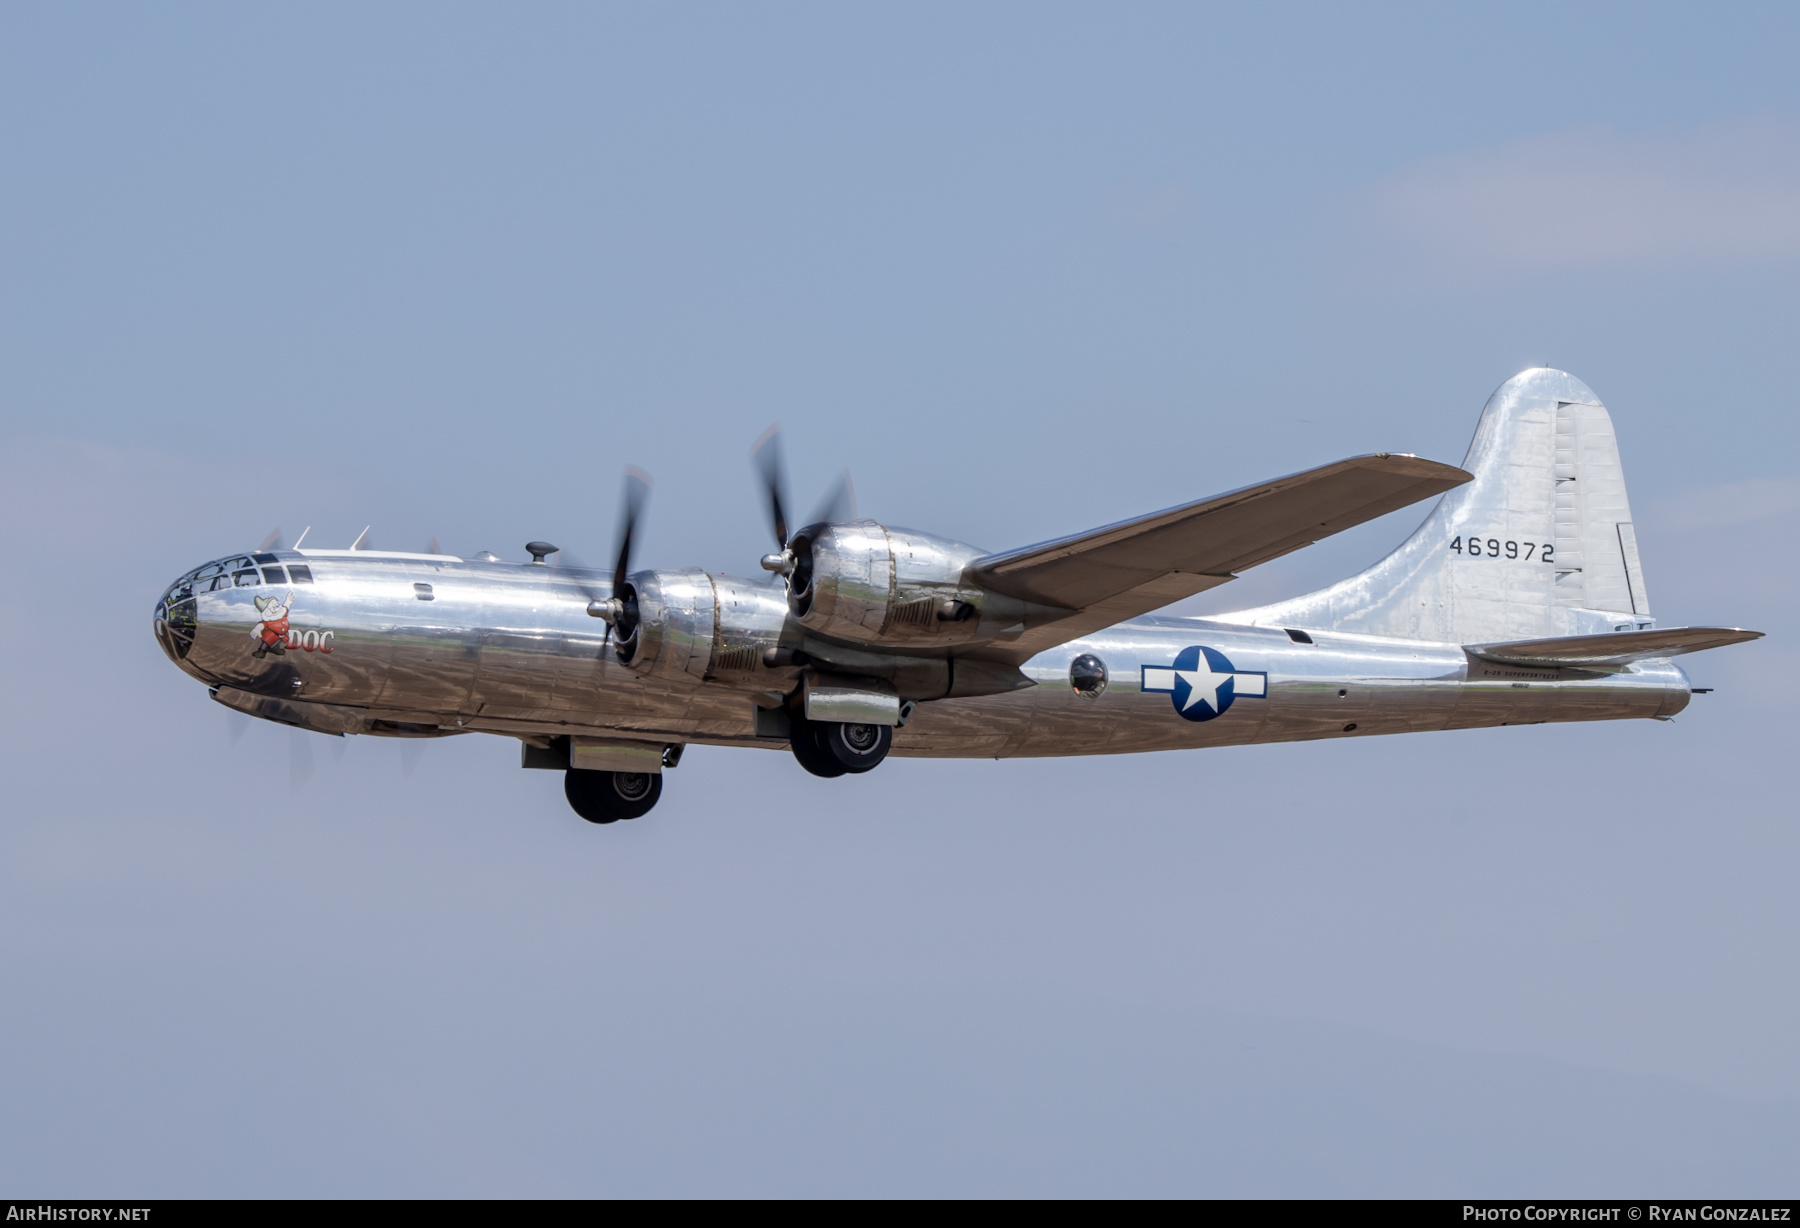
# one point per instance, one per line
(1200, 692)
(1202, 683)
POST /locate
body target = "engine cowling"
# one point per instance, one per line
(668, 625)
(700, 625)
(863, 601)
(869, 584)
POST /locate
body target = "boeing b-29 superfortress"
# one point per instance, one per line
(1521, 599)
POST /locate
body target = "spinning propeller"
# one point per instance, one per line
(619, 610)
(838, 505)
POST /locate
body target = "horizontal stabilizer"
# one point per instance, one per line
(1612, 648)
(1107, 575)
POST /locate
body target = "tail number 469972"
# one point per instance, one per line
(1494, 548)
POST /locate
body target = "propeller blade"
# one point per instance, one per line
(637, 491)
(839, 506)
(600, 604)
(272, 541)
(765, 454)
(570, 565)
(300, 759)
(431, 547)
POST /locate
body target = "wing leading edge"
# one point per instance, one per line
(1123, 570)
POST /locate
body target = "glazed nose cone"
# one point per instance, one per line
(175, 621)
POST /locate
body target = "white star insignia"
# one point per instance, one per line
(1203, 684)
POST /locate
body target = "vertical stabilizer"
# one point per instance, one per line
(1539, 544)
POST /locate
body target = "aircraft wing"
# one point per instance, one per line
(1095, 579)
(1612, 648)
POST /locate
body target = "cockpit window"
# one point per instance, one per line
(221, 573)
(300, 573)
(274, 575)
(263, 558)
(235, 572)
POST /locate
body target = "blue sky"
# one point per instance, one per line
(446, 270)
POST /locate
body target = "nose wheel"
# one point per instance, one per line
(607, 797)
(834, 748)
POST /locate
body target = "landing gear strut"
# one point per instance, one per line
(832, 748)
(607, 797)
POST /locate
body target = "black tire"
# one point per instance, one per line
(856, 747)
(803, 738)
(607, 797)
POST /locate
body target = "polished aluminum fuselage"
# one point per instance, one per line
(433, 645)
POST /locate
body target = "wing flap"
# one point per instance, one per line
(1612, 648)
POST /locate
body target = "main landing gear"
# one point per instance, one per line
(607, 797)
(832, 748)
(824, 748)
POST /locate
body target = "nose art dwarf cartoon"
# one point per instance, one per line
(271, 633)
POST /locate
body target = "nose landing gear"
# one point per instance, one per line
(832, 748)
(607, 797)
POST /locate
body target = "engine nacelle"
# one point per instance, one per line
(699, 627)
(870, 584)
(668, 625)
(702, 626)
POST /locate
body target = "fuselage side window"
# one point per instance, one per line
(300, 573)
